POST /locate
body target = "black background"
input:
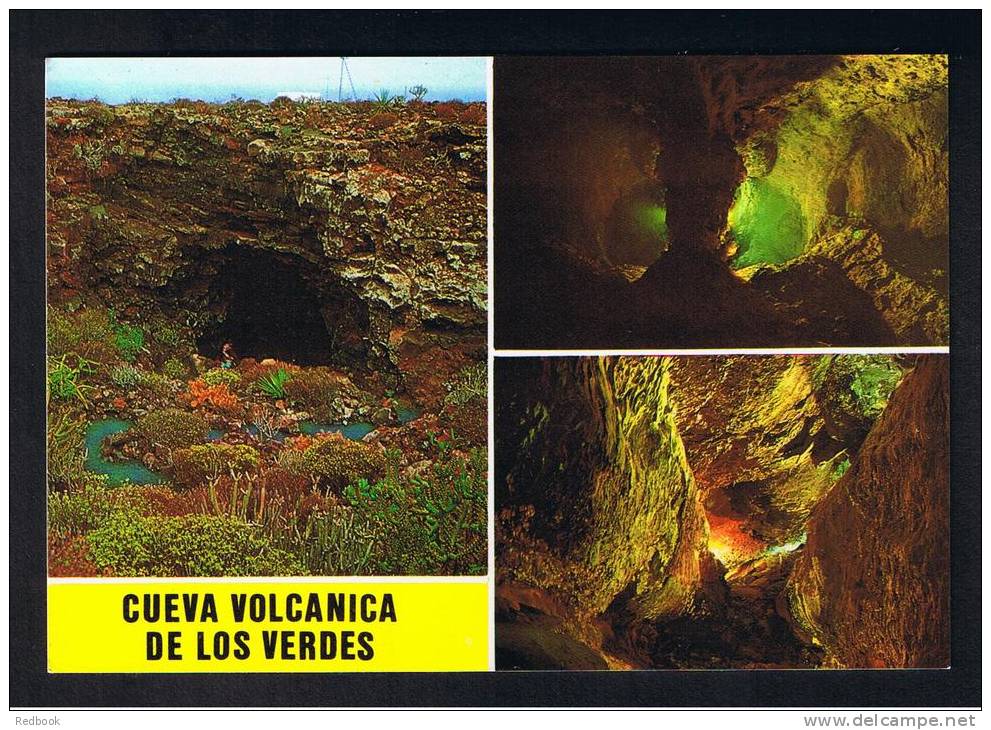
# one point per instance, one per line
(37, 34)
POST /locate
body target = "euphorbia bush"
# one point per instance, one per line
(190, 545)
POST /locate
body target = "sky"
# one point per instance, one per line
(120, 80)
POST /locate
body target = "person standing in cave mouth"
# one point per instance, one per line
(227, 356)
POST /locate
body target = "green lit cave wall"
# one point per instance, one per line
(863, 145)
(766, 223)
(653, 220)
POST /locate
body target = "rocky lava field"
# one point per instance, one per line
(341, 250)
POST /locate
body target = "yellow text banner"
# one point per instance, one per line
(299, 626)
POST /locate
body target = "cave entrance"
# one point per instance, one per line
(273, 307)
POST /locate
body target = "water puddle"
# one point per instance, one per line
(135, 472)
(405, 414)
(119, 471)
(353, 431)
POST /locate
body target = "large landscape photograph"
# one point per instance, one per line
(266, 323)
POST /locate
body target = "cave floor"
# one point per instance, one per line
(744, 630)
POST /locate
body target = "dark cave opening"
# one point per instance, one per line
(273, 308)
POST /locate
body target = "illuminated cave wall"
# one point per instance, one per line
(863, 144)
(768, 225)
(768, 437)
(772, 199)
(603, 509)
(577, 162)
(872, 585)
(819, 141)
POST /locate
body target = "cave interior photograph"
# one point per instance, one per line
(718, 512)
(721, 201)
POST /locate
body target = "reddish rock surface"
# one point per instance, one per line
(149, 205)
(872, 586)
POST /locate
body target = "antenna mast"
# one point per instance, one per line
(340, 81)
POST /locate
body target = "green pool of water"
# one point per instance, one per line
(405, 414)
(119, 471)
(353, 431)
(135, 472)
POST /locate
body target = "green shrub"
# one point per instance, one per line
(221, 376)
(454, 504)
(266, 424)
(175, 369)
(335, 542)
(130, 340)
(173, 428)
(435, 525)
(382, 99)
(293, 461)
(64, 377)
(93, 323)
(60, 334)
(317, 391)
(200, 464)
(337, 462)
(89, 504)
(125, 376)
(468, 423)
(101, 114)
(160, 385)
(469, 383)
(186, 546)
(92, 153)
(66, 332)
(66, 449)
(274, 384)
(167, 335)
(403, 544)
